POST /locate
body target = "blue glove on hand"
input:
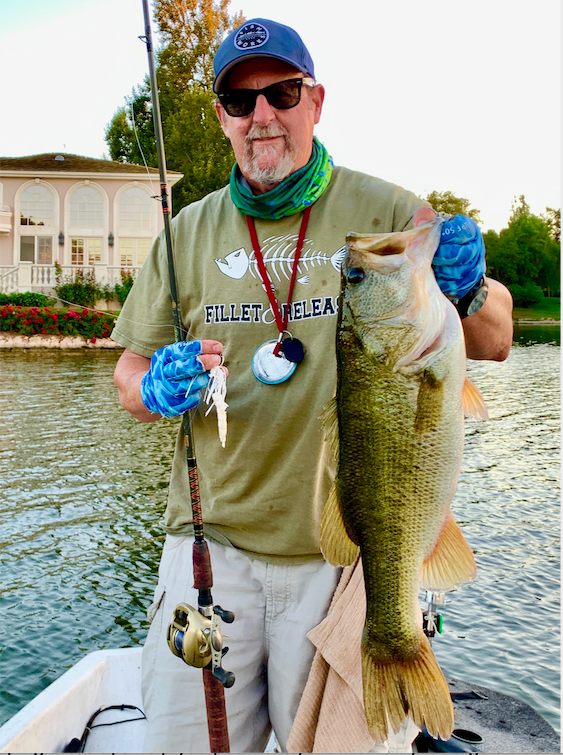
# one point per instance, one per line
(172, 384)
(459, 262)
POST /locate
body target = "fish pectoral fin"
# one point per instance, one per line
(416, 688)
(429, 403)
(329, 423)
(451, 563)
(473, 402)
(336, 545)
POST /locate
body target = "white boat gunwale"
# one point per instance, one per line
(61, 711)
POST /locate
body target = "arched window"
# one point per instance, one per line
(86, 208)
(37, 206)
(135, 211)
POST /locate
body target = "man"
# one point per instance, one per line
(263, 495)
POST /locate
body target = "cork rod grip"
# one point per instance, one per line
(216, 713)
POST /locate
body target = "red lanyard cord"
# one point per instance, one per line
(282, 324)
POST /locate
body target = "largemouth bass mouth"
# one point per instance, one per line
(399, 420)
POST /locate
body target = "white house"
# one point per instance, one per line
(86, 214)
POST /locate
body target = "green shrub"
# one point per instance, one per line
(122, 289)
(527, 295)
(64, 322)
(81, 288)
(27, 299)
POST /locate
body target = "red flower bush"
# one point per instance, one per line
(28, 321)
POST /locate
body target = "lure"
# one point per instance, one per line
(216, 392)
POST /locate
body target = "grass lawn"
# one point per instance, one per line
(547, 309)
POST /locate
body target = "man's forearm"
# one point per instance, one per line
(129, 371)
(488, 333)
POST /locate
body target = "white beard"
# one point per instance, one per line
(280, 166)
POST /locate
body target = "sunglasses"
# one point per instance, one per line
(283, 95)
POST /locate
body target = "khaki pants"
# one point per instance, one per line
(274, 606)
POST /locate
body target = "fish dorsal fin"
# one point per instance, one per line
(329, 422)
(473, 401)
(336, 546)
(451, 563)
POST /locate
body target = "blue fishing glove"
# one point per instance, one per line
(172, 384)
(459, 262)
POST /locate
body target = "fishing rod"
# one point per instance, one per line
(194, 636)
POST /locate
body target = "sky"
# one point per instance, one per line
(445, 95)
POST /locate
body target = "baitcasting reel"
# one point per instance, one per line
(198, 641)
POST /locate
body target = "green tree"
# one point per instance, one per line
(553, 220)
(130, 135)
(190, 32)
(494, 254)
(119, 138)
(524, 256)
(447, 203)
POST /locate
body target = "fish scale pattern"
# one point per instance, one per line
(399, 453)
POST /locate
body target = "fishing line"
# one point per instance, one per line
(82, 306)
(154, 196)
(126, 319)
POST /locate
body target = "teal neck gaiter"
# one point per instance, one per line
(292, 195)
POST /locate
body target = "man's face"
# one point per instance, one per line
(270, 144)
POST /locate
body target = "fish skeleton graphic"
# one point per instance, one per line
(279, 253)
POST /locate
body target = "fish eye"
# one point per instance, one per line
(355, 275)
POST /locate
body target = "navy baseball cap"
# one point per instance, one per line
(261, 38)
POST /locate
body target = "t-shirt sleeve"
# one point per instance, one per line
(145, 323)
(406, 203)
(367, 204)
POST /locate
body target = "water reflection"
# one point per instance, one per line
(527, 335)
(83, 487)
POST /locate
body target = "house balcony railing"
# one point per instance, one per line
(42, 278)
(8, 279)
(5, 218)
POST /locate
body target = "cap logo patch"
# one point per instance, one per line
(251, 36)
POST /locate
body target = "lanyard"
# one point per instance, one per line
(266, 280)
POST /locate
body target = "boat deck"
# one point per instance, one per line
(486, 721)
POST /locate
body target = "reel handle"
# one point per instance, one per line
(227, 678)
(227, 616)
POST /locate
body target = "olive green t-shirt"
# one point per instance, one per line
(264, 492)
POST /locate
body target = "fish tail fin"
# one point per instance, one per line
(336, 545)
(473, 402)
(451, 563)
(416, 688)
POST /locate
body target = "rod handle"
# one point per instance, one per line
(203, 576)
(216, 713)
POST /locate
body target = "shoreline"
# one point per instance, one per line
(16, 341)
(546, 321)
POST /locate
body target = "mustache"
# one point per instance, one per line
(258, 131)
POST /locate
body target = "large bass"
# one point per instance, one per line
(401, 395)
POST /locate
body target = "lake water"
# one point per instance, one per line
(83, 486)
